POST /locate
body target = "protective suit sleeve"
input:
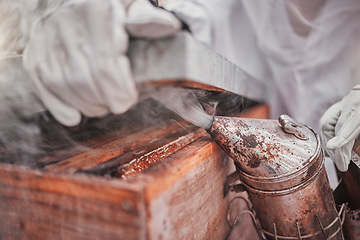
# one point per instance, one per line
(340, 125)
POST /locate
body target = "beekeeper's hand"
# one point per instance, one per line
(144, 20)
(340, 125)
(76, 56)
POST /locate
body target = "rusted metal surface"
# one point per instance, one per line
(298, 208)
(281, 167)
(137, 165)
(348, 191)
(262, 150)
(352, 224)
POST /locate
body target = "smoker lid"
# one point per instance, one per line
(267, 150)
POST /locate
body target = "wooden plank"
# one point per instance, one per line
(47, 206)
(63, 143)
(185, 198)
(182, 83)
(123, 138)
(132, 163)
(59, 143)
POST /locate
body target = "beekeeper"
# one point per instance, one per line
(303, 50)
(308, 52)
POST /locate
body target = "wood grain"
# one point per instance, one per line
(38, 206)
(191, 186)
(109, 150)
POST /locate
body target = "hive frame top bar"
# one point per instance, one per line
(184, 58)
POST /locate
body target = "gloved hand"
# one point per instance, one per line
(340, 125)
(76, 56)
(144, 20)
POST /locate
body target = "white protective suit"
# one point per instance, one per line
(305, 51)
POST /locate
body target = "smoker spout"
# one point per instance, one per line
(239, 140)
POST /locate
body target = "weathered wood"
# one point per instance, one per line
(182, 83)
(112, 149)
(190, 184)
(34, 205)
(138, 164)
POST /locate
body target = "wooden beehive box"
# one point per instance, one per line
(126, 177)
(98, 192)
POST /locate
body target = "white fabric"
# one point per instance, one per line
(76, 57)
(144, 20)
(331, 173)
(340, 125)
(305, 74)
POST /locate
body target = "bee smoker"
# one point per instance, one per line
(281, 166)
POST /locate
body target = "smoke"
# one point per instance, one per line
(29, 134)
(16, 18)
(22, 120)
(17, 133)
(197, 106)
(182, 101)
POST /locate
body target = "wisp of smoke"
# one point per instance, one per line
(20, 131)
(22, 125)
(183, 102)
(17, 134)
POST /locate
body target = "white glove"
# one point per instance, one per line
(76, 58)
(144, 20)
(340, 125)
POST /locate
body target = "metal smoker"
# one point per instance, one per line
(281, 166)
